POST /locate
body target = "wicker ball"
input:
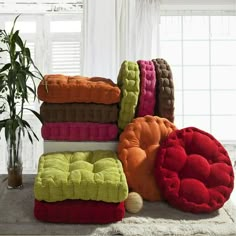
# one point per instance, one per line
(133, 203)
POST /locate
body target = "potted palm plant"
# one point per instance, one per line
(15, 91)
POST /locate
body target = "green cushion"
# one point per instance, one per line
(89, 175)
(128, 82)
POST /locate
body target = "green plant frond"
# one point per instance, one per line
(36, 114)
(5, 67)
(12, 48)
(14, 23)
(19, 42)
(11, 77)
(33, 91)
(18, 66)
(37, 70)
(3, 123)
(19, 121)
(15, 35)
(17, 55)
(8, 128)
(29, 73)
(28, 128)
(29, 136)
(3, 76)
(2, 108)
(14, 87)
(22, 86)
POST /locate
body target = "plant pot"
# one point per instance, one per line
(14, 160)
(15, 178)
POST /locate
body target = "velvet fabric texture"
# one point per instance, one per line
(128, 81)
(79, 131)
(92, 175)
(79, 212)
(67, 89)
(137, 150)
(147, 96)
(164, 90)
(79, 112)
(194, 171)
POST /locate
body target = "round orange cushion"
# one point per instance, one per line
(137, 150)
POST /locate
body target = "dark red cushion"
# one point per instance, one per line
(79, 211)
(194, 171)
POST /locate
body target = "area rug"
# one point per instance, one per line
(16, 218)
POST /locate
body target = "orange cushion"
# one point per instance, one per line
(137, 151)
(66, 89)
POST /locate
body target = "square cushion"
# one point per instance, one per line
(79, 112)
(58, 88)
(79, 211)
(92, 175)
(79, 131)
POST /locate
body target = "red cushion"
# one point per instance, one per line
(147, 96)
(194, 171)
(79, 211)
(79, 131)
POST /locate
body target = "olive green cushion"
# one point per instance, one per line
(90, 175)
(128, 82)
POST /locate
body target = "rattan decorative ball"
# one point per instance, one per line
(133, 203)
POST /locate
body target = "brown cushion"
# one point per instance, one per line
(79, 112)
(164, 90)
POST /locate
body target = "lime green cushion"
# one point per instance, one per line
(89, 175)
(128, 82)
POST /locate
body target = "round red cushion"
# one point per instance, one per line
(194, 171)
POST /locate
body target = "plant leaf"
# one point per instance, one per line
(19, 42)
(36, 114)
(5, 67)
(14, 23)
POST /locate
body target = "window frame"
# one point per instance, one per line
(181, 13)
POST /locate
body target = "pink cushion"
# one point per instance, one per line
(79, 131)
(147, 97)
(79, 211)
(194, 171)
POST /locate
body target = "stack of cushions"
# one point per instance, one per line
(188, 168)
(80, 187)
(146, 89)
(78, 108)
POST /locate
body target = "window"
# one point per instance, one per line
(201, 50)
(53, 33)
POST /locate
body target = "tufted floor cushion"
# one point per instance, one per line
(67, 89)
(79, 211)
(79, 131)
(194, 171)
(137, 150)
(92, 175)
(79, 112)
(164, 90)
(128, 81)
(147, 96)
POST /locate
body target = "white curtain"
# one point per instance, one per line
(117, 30)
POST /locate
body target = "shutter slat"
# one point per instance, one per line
(66, 57)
